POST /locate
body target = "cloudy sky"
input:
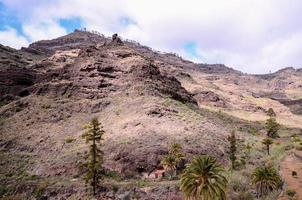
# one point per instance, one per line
(254, 36)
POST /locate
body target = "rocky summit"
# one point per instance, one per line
(146, 100)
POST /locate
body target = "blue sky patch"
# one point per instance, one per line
(191, 49)
(71, 24)
(8, 19)
(126, 21)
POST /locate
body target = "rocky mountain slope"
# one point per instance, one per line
(146, 100)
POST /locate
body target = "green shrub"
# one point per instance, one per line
(3, 102)
(1, 121)
(294, 173)
(115, 188)
(289, 147)
(272, 195)
(135, 195)
(240, 164)
(46, 106)
(18, 109)
(291, 193)
(299, 148)
(40, 189)
(112, 174)
(238, 183)
(69, 139)
(13, 197)
(3, 190)
(245, 196)
(253, 131)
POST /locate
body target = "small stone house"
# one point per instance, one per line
(156, 174)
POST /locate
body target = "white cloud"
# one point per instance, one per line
(9, 37)
(251, 35)
(42, 31)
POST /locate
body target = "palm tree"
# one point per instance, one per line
(266, 179)
(173, 159)
(169, 162)
(176, 151)
(267, 142)
(203, 179)
(175, 148)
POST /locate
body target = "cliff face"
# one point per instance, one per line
(146, 100)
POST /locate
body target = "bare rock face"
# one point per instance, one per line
(294, 105)
(10, 57)
(210, 98)
(217, 69)
(156, 82)
(15, 79)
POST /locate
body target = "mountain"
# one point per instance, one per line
(146, 100)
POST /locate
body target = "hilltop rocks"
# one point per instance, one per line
(116, 40)
(75, 40)
(216, 69)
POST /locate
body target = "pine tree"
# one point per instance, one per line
(93, 135)
(233, 148)
(267, 142)
(270, 112)
(272, 127)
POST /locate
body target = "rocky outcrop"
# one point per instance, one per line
(15, 79)
(10, 57)
(216, 69)
(154, 82)
(116, 40)
(294, 105)
(210, 98)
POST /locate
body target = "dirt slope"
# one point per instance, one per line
(293, 162)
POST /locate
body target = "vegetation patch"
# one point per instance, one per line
(294, 173)
(291, 193)
(3, 103)
(69, 139)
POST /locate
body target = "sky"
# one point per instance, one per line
(253, 36)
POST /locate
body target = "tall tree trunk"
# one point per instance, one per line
(94, 162)
(267, 149)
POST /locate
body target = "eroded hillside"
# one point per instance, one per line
(145, 100)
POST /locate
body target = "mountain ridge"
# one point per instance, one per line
(145, 101)
(94, 37)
